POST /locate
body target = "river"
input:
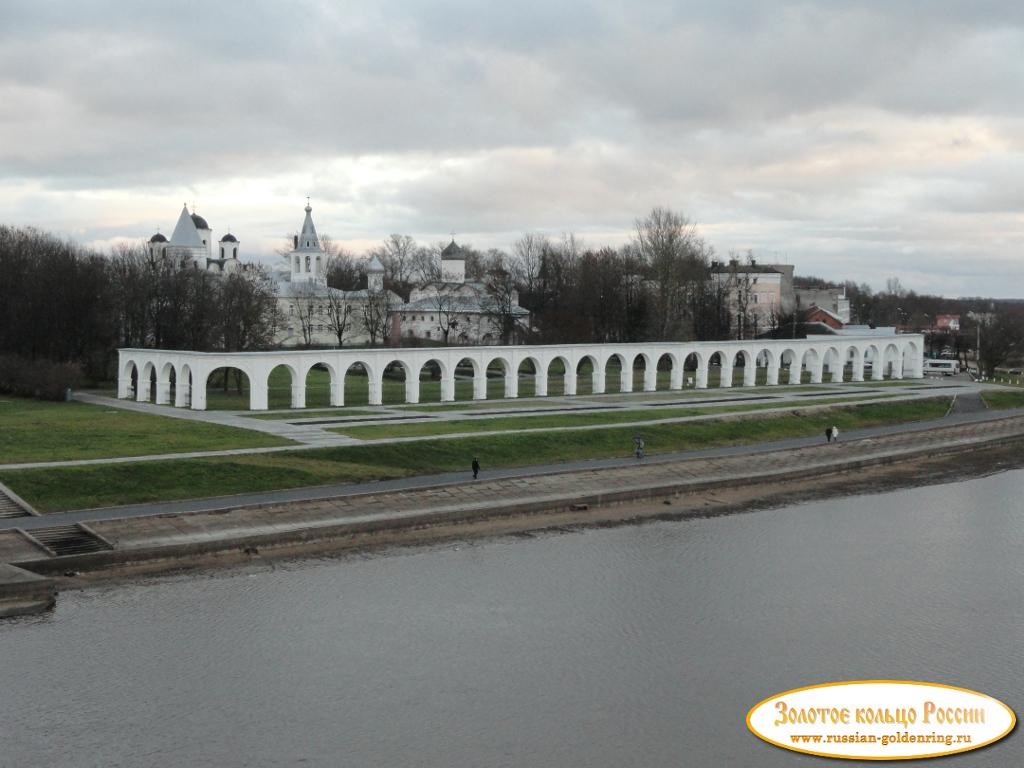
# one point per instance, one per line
(641, 645)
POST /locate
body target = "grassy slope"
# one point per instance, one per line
(101, 485)
(39, 431)
(563, 420)
(996, 399)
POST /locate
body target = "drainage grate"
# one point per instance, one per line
(69, 540)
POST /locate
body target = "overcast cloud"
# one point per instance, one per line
(858, 140)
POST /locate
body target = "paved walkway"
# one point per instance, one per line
(576, 477)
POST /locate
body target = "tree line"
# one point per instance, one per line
(68, 304)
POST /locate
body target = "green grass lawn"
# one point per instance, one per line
(32, 430)
(563, 420)
(1000, 398)
(101, 485)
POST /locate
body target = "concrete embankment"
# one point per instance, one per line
(121, 547)
(23, 592)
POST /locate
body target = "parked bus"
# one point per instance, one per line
(943, 367)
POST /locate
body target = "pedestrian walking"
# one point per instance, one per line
(835, 434)
(638, 443)
(476, 467)
(828, 434)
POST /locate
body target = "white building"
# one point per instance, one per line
(456, 311)
(191, 246)
(311, 313)
(759, 295)
(314, 314)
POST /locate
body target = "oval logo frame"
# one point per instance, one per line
(881, 720)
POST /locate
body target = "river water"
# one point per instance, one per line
(643, 645)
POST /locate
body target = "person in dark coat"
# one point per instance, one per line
(476, 467)
(828, 434)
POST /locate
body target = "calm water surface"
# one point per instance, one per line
(635, 646)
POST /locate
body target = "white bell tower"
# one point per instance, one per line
(307, 257)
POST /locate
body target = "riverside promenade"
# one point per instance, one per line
(175, 534)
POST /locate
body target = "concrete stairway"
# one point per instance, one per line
(9, 507)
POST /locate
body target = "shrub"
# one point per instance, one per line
(40, 379)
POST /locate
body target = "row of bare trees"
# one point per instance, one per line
(64, 303)
(345, 315)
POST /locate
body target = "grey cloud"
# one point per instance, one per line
(779, 125)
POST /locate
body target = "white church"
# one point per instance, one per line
(191, 246)
(311, 313)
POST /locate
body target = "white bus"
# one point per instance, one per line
(943, 367)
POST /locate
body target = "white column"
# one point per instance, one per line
(298, 394)
(772, 374)
(651, 377)
(337, 388)
(570, 382)
(412, 387)
(163, 393)
(795, 369)
(199, 392)
(181, 392)
(725, 374)
(702, 375)
(540, 380)
(448, 385)
(480, 383)
(259, 394)
(816, 371)
(675, 380)
(857, 366)
(597, 380)
(626, 377)
(750, 372)
(375, 388)
(511, 382)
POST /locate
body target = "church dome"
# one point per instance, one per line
(229, 238)
(452, 252)
(158, 238)
(199, 221)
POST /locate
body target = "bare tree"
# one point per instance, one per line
(376, 312)
(339, 314)
(741, 289)
(446, 306)
(342, 271)
(248, 308)
(528, 253)
(502, 303)
(397, 254)
(426, 265)
(302, 305)
(669, 245)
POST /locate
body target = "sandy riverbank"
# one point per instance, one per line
(721, 499)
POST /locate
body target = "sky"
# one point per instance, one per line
(858, 140)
